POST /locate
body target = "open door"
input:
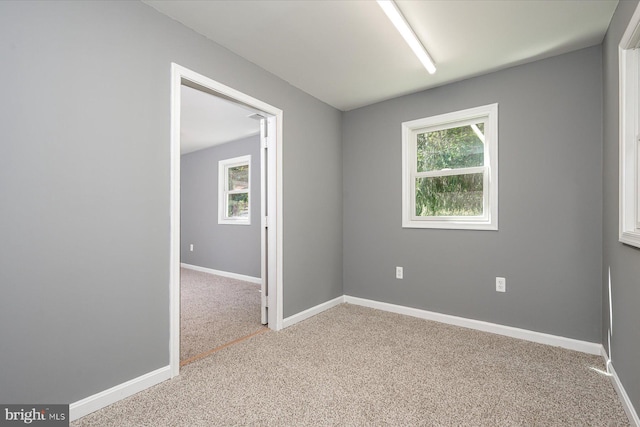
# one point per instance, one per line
(271, 160)
(267, 157)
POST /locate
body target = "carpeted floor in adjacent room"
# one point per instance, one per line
(356, 366)
(214, 311)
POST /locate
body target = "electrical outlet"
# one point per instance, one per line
(191, 247)
(399, 273)
(501, 284)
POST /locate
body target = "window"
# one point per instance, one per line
(450, 170)
(234, 177)
(629, 65)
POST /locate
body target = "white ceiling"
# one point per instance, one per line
(347, 54)
(207, 120)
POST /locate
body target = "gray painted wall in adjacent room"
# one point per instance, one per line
(85, 185)
(623, 260)
(549, 244)
(224, 247)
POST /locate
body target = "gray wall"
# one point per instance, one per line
(550, 200)
(225, 247)
(84, 185)
(623, 260)
(84, 191)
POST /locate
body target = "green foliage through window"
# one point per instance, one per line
(238, 205)
(449, 149)
(450, 170)
(454, 148)
(239, 177)
(453, 195)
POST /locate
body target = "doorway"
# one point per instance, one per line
(270, 218)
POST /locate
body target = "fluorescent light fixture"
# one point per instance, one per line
(393, 13)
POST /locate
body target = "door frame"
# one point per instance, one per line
(179, 76)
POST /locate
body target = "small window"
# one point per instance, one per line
(234, 177)
(450, 170)
(629, 70)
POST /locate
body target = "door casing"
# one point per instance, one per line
(273, 222)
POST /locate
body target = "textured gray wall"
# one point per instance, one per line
(230, 248)
(549, 242)
(623, 260)
(84, 191)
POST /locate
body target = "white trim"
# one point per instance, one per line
(263, 215)
(624, 398)
(107, 397)
(174, 238)
(524, 334)
(274, 222)
(603, 353)
(634, 420)
(237, 276)
(310, 312)
(629, 161)
(275, 203)
(489, 219)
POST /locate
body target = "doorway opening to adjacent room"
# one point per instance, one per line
(270, 195)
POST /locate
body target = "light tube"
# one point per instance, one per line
(394, 15)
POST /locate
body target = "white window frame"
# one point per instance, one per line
(629, 73)
(224, 192)
(410, 129)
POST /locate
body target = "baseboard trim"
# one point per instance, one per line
(524, 334)
(107, 397)
(223, 273)
(310, 312)
(634, 420)
(624, 398)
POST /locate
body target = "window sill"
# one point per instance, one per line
(630, 238)
(233, 222)
(451, 225)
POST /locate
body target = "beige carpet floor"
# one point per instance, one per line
(215, 310)
(356, 366)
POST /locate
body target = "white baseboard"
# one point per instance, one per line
(223, 273)
(292, 320)
(634, 420)
(105, 398)
(524, 334)
(114, 394)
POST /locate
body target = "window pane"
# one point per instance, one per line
(238, 206)
(239, 177)
(459, 147)
(454, 195)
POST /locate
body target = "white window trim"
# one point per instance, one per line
(489, 221)
(223, 192)
(629, 73)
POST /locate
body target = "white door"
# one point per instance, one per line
(267, 157)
